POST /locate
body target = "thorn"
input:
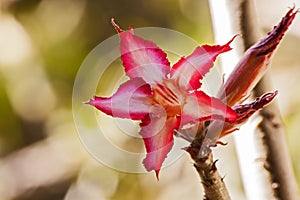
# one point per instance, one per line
(221, 143)
(188, 149)
(197, 168)
(213, 166)
(185, 149)
(222, 179)
(177, 133)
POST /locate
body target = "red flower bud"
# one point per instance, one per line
(254, 63)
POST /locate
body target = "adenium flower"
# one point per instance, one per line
(163, 98)
(167, 98)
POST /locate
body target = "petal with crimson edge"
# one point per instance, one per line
(132, 100)
(190, 70)
(157, 132)
(142, 58)
(200, 107)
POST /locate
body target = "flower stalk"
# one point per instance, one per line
(212, 182)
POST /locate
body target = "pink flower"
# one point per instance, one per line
(163, 98)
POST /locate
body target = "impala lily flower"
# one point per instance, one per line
(166, 98)
(163, 98)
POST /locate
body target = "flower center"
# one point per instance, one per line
(166, 95)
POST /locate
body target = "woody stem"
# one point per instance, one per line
(212, 182)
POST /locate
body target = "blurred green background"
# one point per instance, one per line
(42, 45)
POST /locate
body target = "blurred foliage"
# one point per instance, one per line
(44, 43)
(60, 44)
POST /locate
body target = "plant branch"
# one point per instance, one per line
(213, 183)
(277, 157)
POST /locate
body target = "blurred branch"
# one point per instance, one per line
(278, 162)
(274, 178)
(7, 3)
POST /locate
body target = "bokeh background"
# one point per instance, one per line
(42, 45)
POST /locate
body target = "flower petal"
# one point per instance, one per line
(142, 58)
(190, 70)
(132, 100)
(201, 107)
(157, 132)
(254, 63)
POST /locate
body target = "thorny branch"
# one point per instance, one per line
(212, 182)
(200, 152)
